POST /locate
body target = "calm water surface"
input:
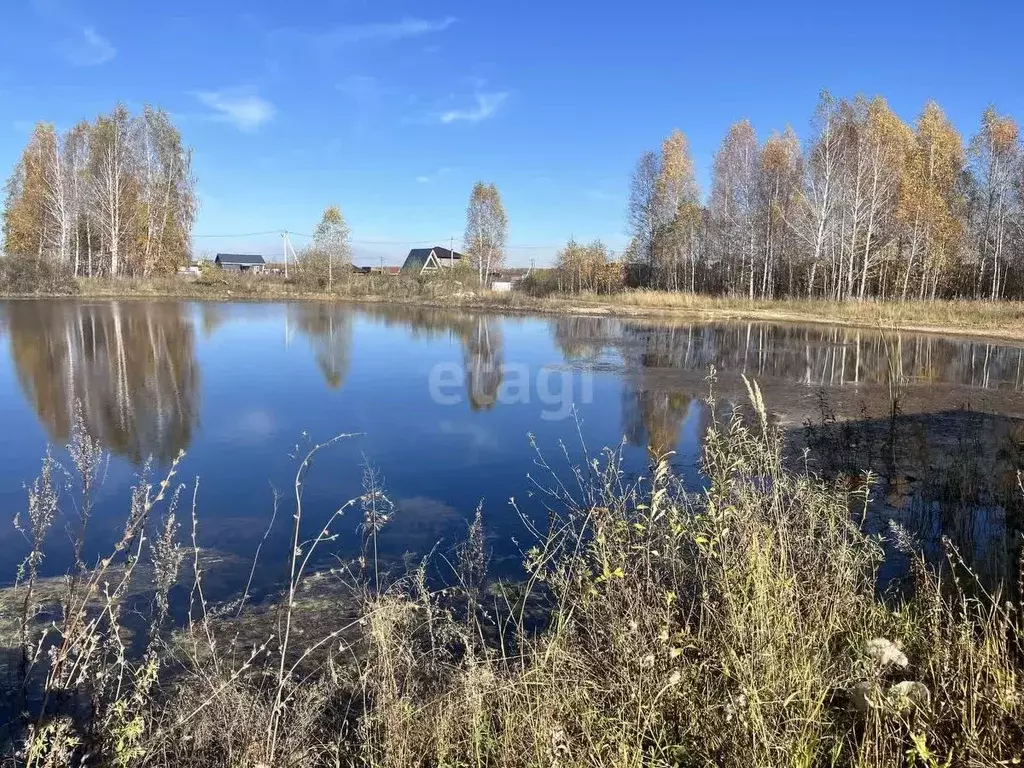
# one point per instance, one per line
(443, 403)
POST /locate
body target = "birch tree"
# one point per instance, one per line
(116, 196)
(57, 198)
(995, 155)
(817, 201)
(883, 142)
(642, 215)
(331, 238)
(779, 176)
(928, 204)
(76, 144)
(581, 267)
(486, 230)
(167, 204)
(734, 204)
(676, 207)
(113, 190)
(24, 217)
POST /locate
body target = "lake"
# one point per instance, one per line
(452, 408)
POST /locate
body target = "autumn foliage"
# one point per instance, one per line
(868, 206)
(112, 197)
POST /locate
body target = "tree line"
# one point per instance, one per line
(115, 196)
(868, 207)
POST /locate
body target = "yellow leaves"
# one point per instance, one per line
(940, 149)
(928, 194)
(610, 573)
(887, 129)
(584, 266)
(1000, 132)
(676, 183)
(780, 154)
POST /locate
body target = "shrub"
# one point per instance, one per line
(27, 275)
(540, 283)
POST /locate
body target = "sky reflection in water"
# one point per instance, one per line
(240, 386)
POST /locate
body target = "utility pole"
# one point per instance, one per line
(284, 245)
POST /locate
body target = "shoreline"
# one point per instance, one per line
(1002, 321)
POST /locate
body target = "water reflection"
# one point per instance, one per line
(652, 419)
(329, 331)
(482, 354)
(479, 336)
(135, 367)
(131, 365)
(583, 339)
(811, 355)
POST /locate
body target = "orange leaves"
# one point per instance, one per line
(999, 131)
(676, 184)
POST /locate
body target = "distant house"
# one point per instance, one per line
(422, 261)
(375, 270)
(505, 281)
(240, 262)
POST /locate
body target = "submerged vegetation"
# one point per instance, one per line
(744, 624)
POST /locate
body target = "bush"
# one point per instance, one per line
(313, 269)
(738, 626)
(539, 283)
(27, 275)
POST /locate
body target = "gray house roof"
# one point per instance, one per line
(238, 258)
(444, 253)
(417, 257)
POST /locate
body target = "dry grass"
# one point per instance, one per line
(738, 626)
(1003, 319)
(994, 319)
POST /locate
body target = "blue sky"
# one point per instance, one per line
(393, 108)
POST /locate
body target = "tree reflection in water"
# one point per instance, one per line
(329, 331)
(825, 356)
(479, 336)
(131, 365)
(654, 406)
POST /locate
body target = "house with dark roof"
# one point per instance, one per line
(421, 261)
(240, 262)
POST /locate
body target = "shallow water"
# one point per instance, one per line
(442, 403)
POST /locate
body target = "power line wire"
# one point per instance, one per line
(371, 242)
(242, 234)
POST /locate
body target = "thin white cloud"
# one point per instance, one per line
(430, 178)
(389, 31)
(88, 48)
(487, 105)
(246, 111)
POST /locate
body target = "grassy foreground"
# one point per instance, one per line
(735, 627)
(974, 318)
